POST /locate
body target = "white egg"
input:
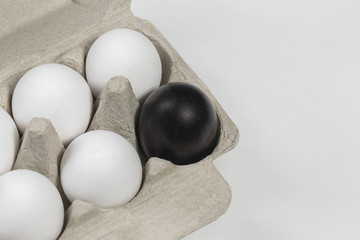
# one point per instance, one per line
(101, 167)
(30, 207)
(55, 92)
(123, 52)
(9, 141)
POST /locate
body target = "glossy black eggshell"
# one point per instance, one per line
(178, 122)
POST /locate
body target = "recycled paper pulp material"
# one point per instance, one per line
(174, 200)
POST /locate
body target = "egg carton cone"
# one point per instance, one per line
(173, 200)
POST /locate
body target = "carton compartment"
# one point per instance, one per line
(173, 200)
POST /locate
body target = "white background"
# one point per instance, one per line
(287, 73)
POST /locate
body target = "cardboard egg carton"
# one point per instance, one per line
(173, 200)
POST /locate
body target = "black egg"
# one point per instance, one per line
(178, 122)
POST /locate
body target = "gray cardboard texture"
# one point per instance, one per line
(174, 200)
(116, 109)
(41, 151)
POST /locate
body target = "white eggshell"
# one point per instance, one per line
(9, 141)
(101, 167)
(30, 207)
(127, 53)
(55, 92)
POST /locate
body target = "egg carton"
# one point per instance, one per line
(173, 200)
